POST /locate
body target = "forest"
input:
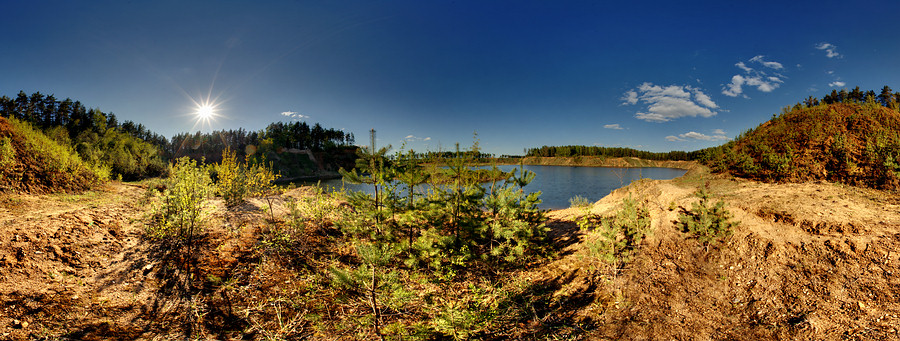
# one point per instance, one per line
(566, 151)
(132, 151)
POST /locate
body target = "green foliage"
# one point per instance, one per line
(579, 202)
(123, 154)
(182, 208)
(231, 182)
(848, 141)
(708, 224)
(238, 180)
(439, 231)
(579, 151)
(35, 162)
(7, 153)
(620, 235)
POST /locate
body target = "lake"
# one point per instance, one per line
(558, 184)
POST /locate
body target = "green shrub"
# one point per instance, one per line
(708, 224)
(7, 153)
(579, 202)
(619, 235)
(35, 162)
(182, 208)
(231, 182)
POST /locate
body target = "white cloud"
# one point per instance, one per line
(717, 135)
(294, 115)
(613, 126)
(411, 137)
(837, 84)
(771, 65)
(754, 78)
(666, 103)
(704, 99)
(830, 50)
(631, 97)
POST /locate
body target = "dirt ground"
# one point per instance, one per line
(807, 261)
(79, 267)
(811, 261)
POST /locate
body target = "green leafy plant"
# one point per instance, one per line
(231, 182)
(182, 208)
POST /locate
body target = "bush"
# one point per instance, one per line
(707, 224)
(620, 235)
(183, 204)
(7, 153)
(579, 202)
(36, 163)
(238, 180)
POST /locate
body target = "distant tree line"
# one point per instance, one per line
(567, 151)
(886, 97)
(276, 137)
(131, 150)
(126, 150)
(45, 111)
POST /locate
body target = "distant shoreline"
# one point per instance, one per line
(592, 161)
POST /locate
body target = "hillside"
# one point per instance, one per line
(32, 162)
(857, 144)
(811, 261)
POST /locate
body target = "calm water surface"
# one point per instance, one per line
(558, 184)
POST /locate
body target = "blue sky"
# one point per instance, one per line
(653, 75)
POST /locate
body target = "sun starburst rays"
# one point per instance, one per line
(205, 112)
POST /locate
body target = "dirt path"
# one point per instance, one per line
(63, 258)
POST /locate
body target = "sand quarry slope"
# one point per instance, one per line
(807, 261)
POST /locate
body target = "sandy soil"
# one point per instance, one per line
(807, 261)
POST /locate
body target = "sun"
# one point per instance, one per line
(206, 112)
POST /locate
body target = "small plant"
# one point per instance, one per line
(709, 224)
(183, 203)
(238, 180)
(369, 279)
(579, 202)
(620, 235)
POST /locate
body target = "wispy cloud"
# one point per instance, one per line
(294, 115)
(768, 64)
(837, 84)
(630, 97)
(830, 50)
(411, 137)
(754, 78)
(717, 135)
(613, 126)
(666, 103)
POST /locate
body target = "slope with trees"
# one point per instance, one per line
(840, 139)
